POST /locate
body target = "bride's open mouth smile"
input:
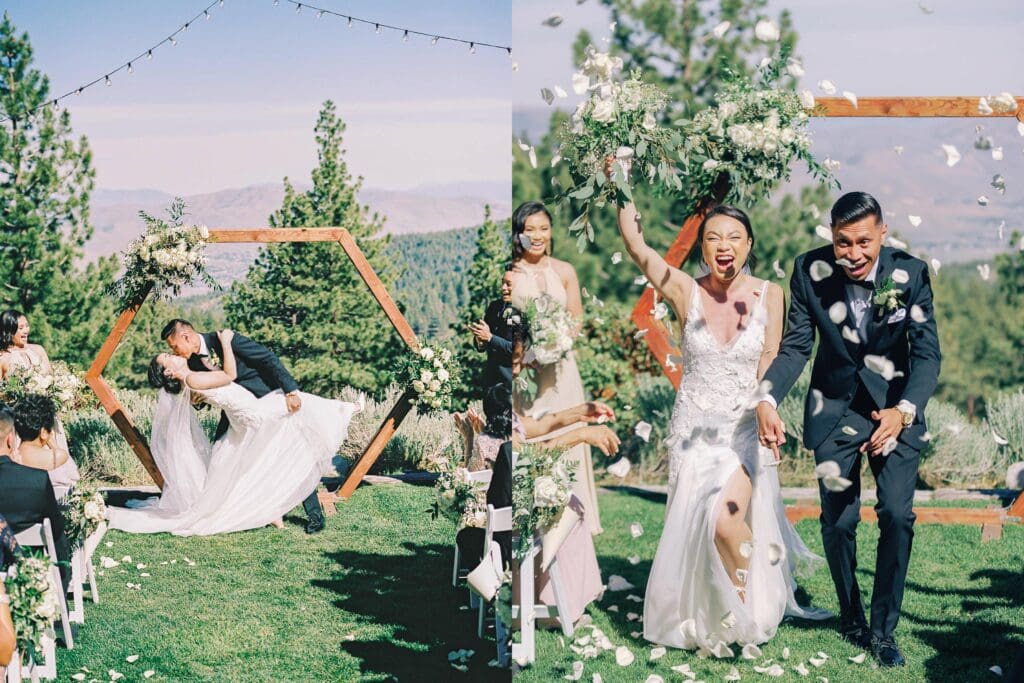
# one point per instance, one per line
(725, 261)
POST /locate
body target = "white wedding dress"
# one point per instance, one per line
(267, 463)
(691, 602)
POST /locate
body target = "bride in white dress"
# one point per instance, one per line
(724, 569)
(265, 465)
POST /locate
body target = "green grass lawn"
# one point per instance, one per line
(963, 609)
(368, 599)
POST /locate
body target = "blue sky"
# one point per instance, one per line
(235, 102)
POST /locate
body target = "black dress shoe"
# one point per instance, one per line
(857, 635)
(316, 524)
(886, 652)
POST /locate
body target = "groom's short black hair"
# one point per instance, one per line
(853, 207)
(172, 327)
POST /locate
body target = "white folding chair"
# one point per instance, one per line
(527, 609)
(90, 546)
(41, 536)
(481, 477)
(498, 519)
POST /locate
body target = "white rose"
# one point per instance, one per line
(427, 353)
(580, 84)
(727, 109)
(442, 375)
(426, 376)
(418, 386)
(649, 122)
(604, 111)
(807, 99)
(204, 232)
(547, 493)
(710, 165)
(435, 385)
(150, 240)
(46, 611)
(438, 363)
(446, 355)
(92, 510)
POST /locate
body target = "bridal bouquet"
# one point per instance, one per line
(63, 386)
(552, 328)
(432, 373)
(541, 489)
(35, 602)
(743, 145)
(84, 510)
(169, 255)
(460, 499)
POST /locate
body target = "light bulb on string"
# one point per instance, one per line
(405, 36)
(184, 28)
(298, 8)
(472, 48)
(207, 14)
(277, 2)
(131, 69)
(55, 105)
(79, 91)
(319, 14)
(149, 54)
(509, 50)
(107, 81)
(434, 41)
(378, 28)
(174, 43)
(221, 3)
(350, 22)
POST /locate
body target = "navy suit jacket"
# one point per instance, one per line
(838, 370)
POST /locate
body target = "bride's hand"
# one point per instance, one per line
(225, 337)
(609, 166)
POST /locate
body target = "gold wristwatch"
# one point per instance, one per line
(907, 416)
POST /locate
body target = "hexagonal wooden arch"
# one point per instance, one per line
(660, 344)
(103, 391)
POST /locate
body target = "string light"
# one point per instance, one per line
(129, 65)
(406, 32)
(319, 14)
(298, 8)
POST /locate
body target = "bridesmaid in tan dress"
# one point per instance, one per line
(559, 385)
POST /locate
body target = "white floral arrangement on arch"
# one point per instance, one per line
(35, 603)
(738, 149)
(460, 499)
(63, 385)
(432, 373)
(168, 256)
(541, 490)
(84, 510)
(553, 331)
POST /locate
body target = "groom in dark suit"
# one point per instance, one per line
(876, 366)
(259, 370)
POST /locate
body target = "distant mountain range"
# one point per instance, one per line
(427, 209)
(915, 181)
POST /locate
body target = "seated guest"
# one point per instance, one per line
(494, 334)
(26, 496)
(489, 432)
(34, 420)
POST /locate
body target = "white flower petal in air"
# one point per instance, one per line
(889, 446)
(616, 583)
(1004, 103)
(900, 276)
(850, 97)
(850, 335)
(751, 652)
(998, 439)
(985, 271)
(560, 92)
(776, 553)
(553, 21)
(823, 231)
(657, 653)
(819, 402)
(849, 431)
(917, 314)
(765, 61)
(556, 158)
(895, 242)
(983, 200)
(623, 657)
(767, 31)
(532, 154)
(880, 365)
(660, 310)
(845, 262)
(827, 86)
(997, 153)
(719, 30)
(580, 83)
(779, 272)
(984, 108)
(636, 530)
(997, 670)
(836, 484)
(547, 95)
(794, 67)
(936, 264)
(837, 312)
(914, 220)
(806, 99)
(643, 430)
(617, 258)
(952, 155)
(827, 468)
(898, 149)
(858, 659)
(640, 280)
(820, 270)
(619, 468)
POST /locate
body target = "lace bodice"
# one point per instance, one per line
(236, 401)
(719, 381)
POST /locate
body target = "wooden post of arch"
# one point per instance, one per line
(660, 343)
(137, 442)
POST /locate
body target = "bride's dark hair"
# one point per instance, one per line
(8, 328)
(737, 215)
(158, 380)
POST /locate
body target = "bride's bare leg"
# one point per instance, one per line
(731, 529)
(278, 523)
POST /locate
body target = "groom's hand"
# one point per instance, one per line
(770, 429)
(293, 401)
(890, 425)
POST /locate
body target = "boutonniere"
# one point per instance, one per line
(510, 316)
(887, 297)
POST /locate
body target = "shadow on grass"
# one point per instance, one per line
(409, 596)
(652, 496)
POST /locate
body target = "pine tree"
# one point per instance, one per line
(306, 300)
(45, 182)
(493, 252)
